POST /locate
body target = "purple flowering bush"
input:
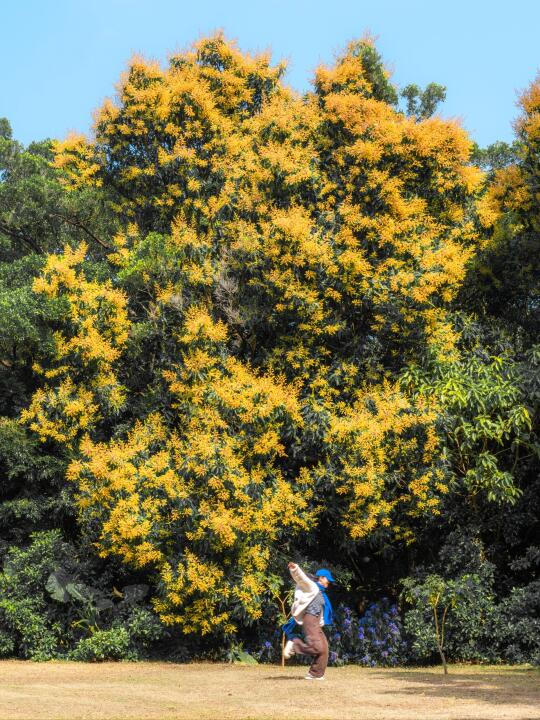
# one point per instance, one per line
(267, 648)
(374, 640)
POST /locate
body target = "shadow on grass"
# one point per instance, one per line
(514, 687)
(285, 677)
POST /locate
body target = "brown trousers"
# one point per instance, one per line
(315, 644)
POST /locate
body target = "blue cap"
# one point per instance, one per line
(323, 572)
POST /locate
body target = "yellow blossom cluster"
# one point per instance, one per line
(384, 453)
(81, 383)
(514, 190)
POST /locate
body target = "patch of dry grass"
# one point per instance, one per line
(161, 691)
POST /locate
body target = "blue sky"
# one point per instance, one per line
(60, 58)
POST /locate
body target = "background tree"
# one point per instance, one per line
(492, 399)
(37, 216)
(423, 103)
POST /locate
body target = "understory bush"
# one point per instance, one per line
(47, 611)
(517, 626)
(474, 624)
(373, 640)
(30, 626)
(113, 644)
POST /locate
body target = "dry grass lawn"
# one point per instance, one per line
(161, 691)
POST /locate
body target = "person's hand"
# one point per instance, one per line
(291, 565)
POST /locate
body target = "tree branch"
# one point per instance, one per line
(78, 224)
(18, 235)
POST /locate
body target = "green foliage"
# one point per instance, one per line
(7, 644)
(26, 616)
(46, 611)
(479, 627)
(423, 103)
(113, 644)
(32, 494)
(517, 626)
(5, 129)
(487, 419)
(449, 616)
(36, 214)
(496, 156)
(127, 639)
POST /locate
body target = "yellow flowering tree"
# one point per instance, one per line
(509, 269)
(229, 373)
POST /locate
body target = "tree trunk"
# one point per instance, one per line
(439, 637)
(445, 667)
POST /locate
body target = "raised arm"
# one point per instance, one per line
(300, 578)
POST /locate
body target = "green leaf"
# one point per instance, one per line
(244, 658)
(135, 593)
(80, 591)
(57, 583)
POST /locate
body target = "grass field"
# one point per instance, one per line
(161, 691)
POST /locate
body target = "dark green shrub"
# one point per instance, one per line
(453, 602)
(479, 626)
(28, 621)
(143, 627)
(48, 611)
(450, 617)
(7, 645)
(133, 629)
(517, 628)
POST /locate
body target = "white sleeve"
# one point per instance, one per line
(302, 580)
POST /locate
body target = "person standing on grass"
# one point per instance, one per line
(311, 609)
